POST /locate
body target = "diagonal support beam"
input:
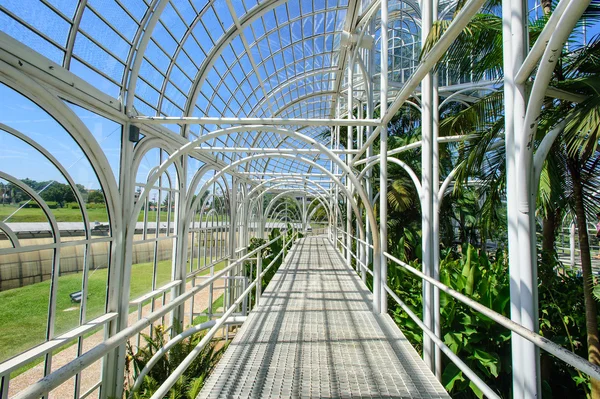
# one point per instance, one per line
(427, 63)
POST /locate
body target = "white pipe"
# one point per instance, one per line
(525, 189)
(192, 120)
(380, 276)
(537, 50)
(172, 342)
(487, 391)
(566, 356)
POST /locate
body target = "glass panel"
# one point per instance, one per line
(98, 258)
(25, 309)
(142, 269)
(164, 262)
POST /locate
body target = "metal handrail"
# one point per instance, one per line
(565, 355)
(172, 342)
(538, 340)
(178, 372)
(56, 378)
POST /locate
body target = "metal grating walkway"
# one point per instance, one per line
(314, 335)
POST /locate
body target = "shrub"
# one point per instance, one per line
(52, 204)
(73, 205)
(193, 378)
(30, 204)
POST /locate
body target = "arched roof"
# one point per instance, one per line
(232, 58)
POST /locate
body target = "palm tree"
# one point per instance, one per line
(570, 176)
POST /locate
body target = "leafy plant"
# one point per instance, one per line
(192, 380)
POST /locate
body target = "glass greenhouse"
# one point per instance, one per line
(299, 198)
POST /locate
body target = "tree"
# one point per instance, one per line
(96, 197)
(571, 173)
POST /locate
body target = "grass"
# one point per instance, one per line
(217, 303)
(71, 215)
(24, 310)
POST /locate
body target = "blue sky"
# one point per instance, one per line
(281, 50)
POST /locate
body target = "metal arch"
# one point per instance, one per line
(134, 46)
(297, 78)
(318, 206)
(266, 96)
(185, 149)
(196, 180)
(289, 178)
(312, 191)
(343, 188)
(318, 196)
(180, 46)
(351, 20)
(456, 93)
(297, 101)
(295, 208)
(374, 6)
(302, 179)
(249, 54)
(404, 166)
(145, 146)
(304, 98)
(61, 169)
(56, 255)
(73, 33)
(148, 29)
(69, 121)
(287, 217)
(255, 13)
(274, 200)
(10, 234)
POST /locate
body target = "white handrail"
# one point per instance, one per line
(56, 378)
(487, 391)
(178, 372)
(568, 357)
(172, 342)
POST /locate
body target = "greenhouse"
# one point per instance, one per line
(299, 198)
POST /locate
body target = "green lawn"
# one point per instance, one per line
(72, 215)
(23, 311)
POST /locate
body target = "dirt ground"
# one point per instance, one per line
(91, 375)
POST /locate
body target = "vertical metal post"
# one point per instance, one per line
(349, 145)
(527, 263)
(360, 247)
(572, 244)
(436, 220)
(427, 187)
(284, 243)
(113, 366)
(258, 277)
(369, 174)
(512, 14)
(380, 276)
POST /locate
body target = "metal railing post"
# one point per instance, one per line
(258, 276)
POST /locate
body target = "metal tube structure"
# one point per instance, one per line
(188, 120)
(349, 145)
(427, 189)
(380, 276)
(181, 153)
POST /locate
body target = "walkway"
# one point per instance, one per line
(314, 335)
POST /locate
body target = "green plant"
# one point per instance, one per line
(192, 380)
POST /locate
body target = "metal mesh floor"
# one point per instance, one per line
(314, 335)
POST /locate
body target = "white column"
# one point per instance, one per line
(380, 276)
(113, 367)
(349, 145)
(427, 188)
